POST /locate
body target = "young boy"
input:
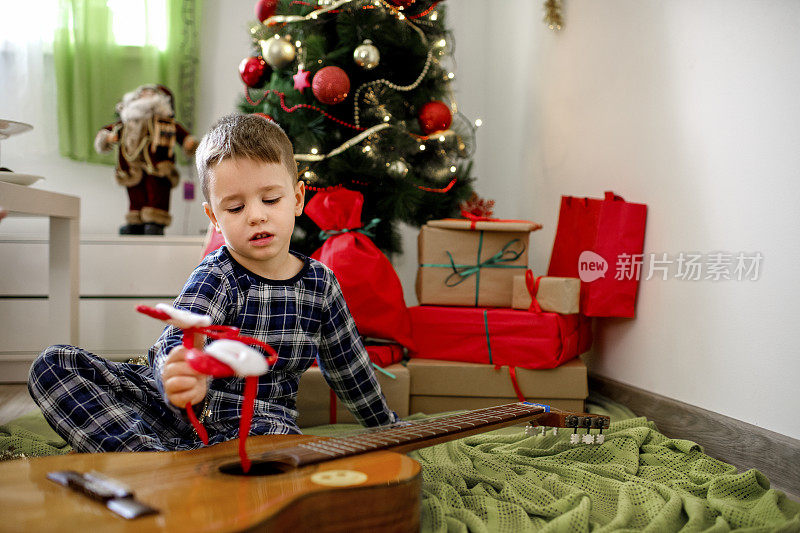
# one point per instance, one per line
(254, 282)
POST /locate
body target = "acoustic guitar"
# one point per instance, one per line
(362, 482)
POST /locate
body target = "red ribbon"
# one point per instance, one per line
(512, 373)
(474, 219)
(532, 282)
(198, 427)
(332, 407)
(250, 389)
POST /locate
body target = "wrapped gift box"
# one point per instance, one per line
(438, 386)
(555, 295)
(314, 395)
(498, 336)
(471, 263)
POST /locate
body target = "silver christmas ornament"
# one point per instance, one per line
(366, 55)
(278, 52)
(397, 168)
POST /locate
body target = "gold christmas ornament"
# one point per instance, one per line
(552, 14)
(366, 55)
(438, 172)
(278, 51)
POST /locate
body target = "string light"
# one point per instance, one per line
(386, 82)
(451, 75)
(314, 151)
(478, 123)
(422, 147)
(453, 169)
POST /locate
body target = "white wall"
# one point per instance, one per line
(690, 107)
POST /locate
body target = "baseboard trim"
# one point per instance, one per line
(727, 439)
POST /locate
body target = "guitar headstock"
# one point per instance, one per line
(555, 418)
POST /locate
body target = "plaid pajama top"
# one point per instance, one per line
(303, 318)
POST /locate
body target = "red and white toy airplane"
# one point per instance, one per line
(230, 354)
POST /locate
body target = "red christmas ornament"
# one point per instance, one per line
(330, 85)
(434, 116)
(265, 9)
(253, 70)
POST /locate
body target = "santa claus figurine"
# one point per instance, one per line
(147, 135)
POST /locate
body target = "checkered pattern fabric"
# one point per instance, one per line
(97, 405)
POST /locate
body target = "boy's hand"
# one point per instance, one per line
(183, 384)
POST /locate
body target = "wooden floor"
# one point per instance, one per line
(14, 402)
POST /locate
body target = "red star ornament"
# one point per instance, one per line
(301, 79)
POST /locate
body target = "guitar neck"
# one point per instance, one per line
(409, 436)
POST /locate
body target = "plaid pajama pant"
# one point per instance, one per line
(98, 405)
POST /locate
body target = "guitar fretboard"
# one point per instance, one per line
(409, 435)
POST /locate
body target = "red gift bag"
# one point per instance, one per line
(498, 336)
(369, 283)
(601, 242)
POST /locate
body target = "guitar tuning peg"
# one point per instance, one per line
(588, 438)
(530, 431)
(600, 438)
(555, 432)
(543, 432)
(574, 438)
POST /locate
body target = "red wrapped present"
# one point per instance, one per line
(498, 336)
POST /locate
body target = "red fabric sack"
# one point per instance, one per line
(369, 283)
(385, 354)
(612, 229)
(498, 336)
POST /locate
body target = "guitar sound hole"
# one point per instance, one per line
(258, 468)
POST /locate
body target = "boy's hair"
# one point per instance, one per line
(243, 137)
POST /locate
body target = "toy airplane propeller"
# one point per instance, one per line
(230, 354)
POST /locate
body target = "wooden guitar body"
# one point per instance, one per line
(192, 494)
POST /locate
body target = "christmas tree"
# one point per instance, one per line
(363, 89)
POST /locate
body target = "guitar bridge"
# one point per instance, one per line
(116, 496)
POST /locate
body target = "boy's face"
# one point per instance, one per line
(254, 205)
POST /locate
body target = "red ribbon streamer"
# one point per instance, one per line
(332, 407)
(198, 427)
(250, 388)
(532, 282)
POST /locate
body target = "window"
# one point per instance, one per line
(136, 23)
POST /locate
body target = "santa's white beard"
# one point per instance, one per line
(144, 107)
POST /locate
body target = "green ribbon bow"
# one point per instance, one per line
(366, 230)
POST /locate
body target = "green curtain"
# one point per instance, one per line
(93, 71)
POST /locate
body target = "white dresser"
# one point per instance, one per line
(116, 274)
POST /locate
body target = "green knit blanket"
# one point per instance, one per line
(638, 480)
